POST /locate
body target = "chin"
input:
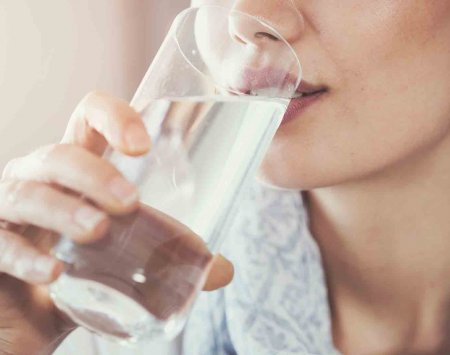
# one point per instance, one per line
(275, 181)
(295, 176)
(271, 184)
(282, 170)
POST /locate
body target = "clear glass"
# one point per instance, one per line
(211, 101)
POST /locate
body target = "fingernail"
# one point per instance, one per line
(44, 265)
(126, 193)
(137, 138)
(88, 218)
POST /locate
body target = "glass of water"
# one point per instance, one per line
(211, 101)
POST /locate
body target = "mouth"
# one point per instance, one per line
(267, 82)
(306, 96)
(270, 82)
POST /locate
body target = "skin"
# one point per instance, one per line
(42, 189)
(372, 157)
(373, 160)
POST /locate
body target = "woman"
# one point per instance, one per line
(371, 155)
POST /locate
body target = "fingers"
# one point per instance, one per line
(100, 119)
(220, 275)
(75, 168)
(29, 202)
(19, 259)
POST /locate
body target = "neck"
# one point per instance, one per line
(385, 242)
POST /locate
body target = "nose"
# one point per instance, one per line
(282, 15)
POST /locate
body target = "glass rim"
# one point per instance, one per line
(194, 9)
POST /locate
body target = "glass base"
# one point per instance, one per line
(109, 313)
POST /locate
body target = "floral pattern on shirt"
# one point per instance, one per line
(277, 303)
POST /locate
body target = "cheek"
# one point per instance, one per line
(382, 112)
(347, 141)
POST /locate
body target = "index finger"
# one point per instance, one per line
(101, 119)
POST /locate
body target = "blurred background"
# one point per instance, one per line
(52, 53)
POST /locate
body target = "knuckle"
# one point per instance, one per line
(44, 158)
(111, 180)
(21, 195)
(36, 193)
(89, 100)
(48, 159)
(47, 153)
(92, 95)
(8, 171)
(67, 210)
(17, 191)
(93, 99)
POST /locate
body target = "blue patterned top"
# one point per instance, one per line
(277, 303)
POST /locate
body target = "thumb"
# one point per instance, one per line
(220, 275)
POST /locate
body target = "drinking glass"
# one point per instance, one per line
(211, 101)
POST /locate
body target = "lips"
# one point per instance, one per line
(271, 82)
(265, 82)
(305, 89)
(299, 105)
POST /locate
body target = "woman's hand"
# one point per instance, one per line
(39, 200)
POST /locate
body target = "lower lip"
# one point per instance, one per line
(298, 106)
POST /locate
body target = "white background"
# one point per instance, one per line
(53, 52)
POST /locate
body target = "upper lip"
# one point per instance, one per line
(254, 79)
(306, 88)
(250, 80)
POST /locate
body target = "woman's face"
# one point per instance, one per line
(386, 67)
